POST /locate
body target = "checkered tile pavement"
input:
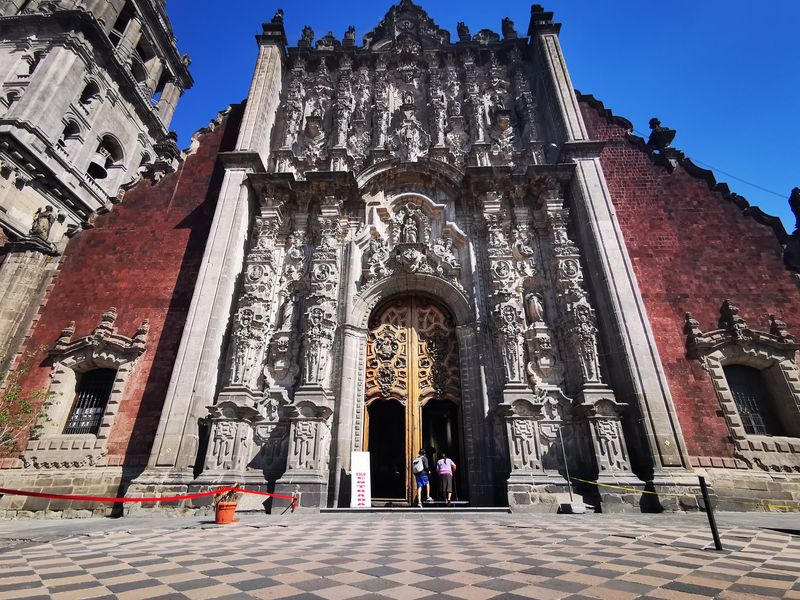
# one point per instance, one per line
(404, 557)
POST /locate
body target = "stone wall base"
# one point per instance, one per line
(106, 481)
(730, 489)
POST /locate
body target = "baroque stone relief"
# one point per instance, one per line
(409, 239)
(411, 95)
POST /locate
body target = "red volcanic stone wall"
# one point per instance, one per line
(691, 248)
(142, 258)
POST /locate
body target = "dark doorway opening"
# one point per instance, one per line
(440, 433)
(387, 449)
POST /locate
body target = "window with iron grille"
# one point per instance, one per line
(753, 400)
(91, 396)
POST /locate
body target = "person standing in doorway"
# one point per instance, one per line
(445, 468)
(420, 468)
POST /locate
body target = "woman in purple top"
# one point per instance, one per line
(445, 469)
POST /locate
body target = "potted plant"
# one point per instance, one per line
(225, 505)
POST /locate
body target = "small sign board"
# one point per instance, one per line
(360, 486)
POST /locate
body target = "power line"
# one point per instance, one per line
(731, 175)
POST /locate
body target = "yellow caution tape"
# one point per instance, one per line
(638, 491)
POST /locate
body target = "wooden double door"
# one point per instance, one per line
(412, 393)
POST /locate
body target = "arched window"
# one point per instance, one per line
(90, 95)
(10, 99)
(91, 396)
(108, 154)
(71, 131)
(753, 400)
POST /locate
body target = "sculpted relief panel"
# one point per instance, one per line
(412, 95)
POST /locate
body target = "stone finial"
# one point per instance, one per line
(140, 337)
(729, 319)
(691, 327)
(777, 328)
(328, 42)
(278, 18)
(660, 137)
(463, 32)
(507, 27)
(65, 336)
(306, 38)
(794, 204)
(106, 325)
(350, 36)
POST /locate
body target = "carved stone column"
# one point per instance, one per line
(505, 306)
(578, 329)
(241, 403)
(312, 407)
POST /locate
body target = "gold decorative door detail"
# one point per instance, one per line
(412, 358)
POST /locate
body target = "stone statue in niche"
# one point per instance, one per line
(503, 137)
(534, 308)
(42, 222)
(358, 143)
(409, 231)
(311, 147)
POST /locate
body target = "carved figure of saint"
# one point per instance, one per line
(409, 230)
(535, 308)
(42, 222)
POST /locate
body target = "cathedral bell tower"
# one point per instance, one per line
(87, 91)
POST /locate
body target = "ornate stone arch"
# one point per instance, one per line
(411, 283)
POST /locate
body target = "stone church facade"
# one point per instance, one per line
(415, 242)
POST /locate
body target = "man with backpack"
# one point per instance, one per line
(420, 469)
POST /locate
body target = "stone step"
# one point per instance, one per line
(440, 508)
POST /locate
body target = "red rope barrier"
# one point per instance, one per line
(108, 499)
(163, 499)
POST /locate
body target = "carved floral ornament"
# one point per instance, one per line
(734, 342)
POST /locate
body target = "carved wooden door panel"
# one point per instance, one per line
(412, 358)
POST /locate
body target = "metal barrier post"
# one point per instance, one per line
(710, 513)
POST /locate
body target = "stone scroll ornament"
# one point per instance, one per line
(409, 247)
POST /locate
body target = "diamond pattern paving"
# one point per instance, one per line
(405, 557)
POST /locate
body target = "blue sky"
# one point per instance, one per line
(725, 74)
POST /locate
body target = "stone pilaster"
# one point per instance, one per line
(637, 366)
(23, 275)
(195, 376)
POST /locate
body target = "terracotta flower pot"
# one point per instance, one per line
(225, 512)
